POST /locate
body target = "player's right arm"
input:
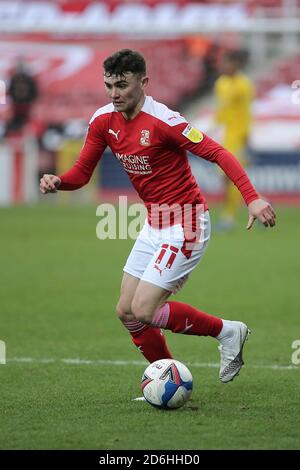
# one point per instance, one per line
(82, 170)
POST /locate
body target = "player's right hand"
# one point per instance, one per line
(49, 184)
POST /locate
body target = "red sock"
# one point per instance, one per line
(183, 318)
(150, 341)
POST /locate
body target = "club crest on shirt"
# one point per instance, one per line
(193, 134)
(145, 137)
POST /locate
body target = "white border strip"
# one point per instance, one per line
(77, 361)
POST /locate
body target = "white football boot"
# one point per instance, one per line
(232, 339)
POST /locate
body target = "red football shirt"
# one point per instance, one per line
(152, 148)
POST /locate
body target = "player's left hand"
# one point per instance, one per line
(263, 211)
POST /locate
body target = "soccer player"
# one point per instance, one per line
(234, 93)
(150, 142)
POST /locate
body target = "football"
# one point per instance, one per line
(167, 384)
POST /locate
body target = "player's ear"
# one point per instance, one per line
(145, 81)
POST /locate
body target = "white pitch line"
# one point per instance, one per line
(77, 361)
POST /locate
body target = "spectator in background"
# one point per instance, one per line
(23, 91)
(234, 93)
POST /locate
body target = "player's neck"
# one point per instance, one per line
(132, 113)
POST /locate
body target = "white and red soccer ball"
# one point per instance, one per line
(167, 384)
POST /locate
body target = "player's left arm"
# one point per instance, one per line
(194, 141)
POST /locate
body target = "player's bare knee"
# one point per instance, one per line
(141, 311)
(124, 312)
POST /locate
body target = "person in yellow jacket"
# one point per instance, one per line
(234, 93)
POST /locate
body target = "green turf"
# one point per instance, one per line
(58, 288)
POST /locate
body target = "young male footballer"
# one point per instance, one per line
(151, 143)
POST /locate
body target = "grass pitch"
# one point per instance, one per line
(70, 375)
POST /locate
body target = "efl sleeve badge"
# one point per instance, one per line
(193, 134)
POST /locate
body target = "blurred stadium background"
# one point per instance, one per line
(62, 45)
(64, 384)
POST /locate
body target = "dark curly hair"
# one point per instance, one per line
(123, 61)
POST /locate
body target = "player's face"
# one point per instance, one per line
(126, 91)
